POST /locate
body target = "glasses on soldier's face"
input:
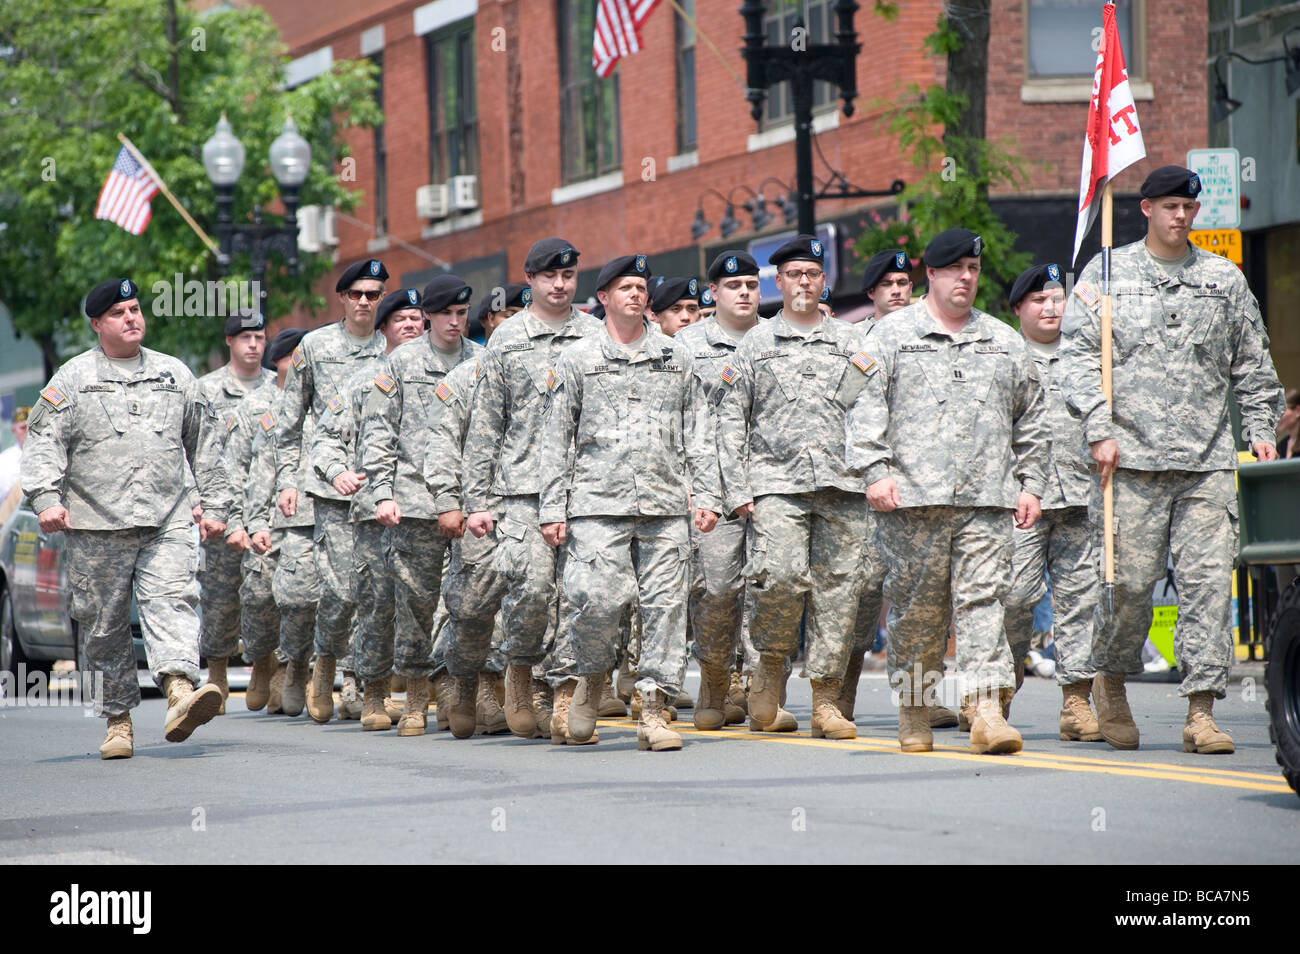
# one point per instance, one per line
(356, 294)
(796, 275)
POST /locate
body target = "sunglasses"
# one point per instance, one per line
(356, 295)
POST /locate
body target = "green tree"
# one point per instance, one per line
(943, 138)
(72, 77)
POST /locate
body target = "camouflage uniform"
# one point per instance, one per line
(959, 422)
(780, 431)
(116, 448)
(321, 365)
(403, 406)
(1060, 543)
(1182, 345)
(627, 438)
(501, 471)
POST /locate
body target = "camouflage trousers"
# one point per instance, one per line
(295, 584)
(873, 585)
(1061, 544)
(157, 566)
(946, 564)
(717, 605)
(259, 617)
(531, 569)
(611, 564)
(807, 553)
(335, 539)
(1191, 516)
(472, 591)
(418, 552)
(219, 581)
(373, 578)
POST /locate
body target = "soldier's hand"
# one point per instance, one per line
(261, 542)
(238, 540)
(745, 510)
(705, 520)
(1106, 456)
(53, 519)
(196, 512)
(388, 513)
(1264, 450)
(480, 523)
(288, 502)
(209, 528)
(882, 496)
(1028, 510)
(451, 524)
(349, 482)
(554, 533)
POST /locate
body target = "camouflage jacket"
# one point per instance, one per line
(506, 417)
(780, 413)
(224, 391)
(243, 421)
(262, 511)
(955, 419)
(1180, 347)
(1068, 466)
(712, 350)
(118, 449)
(403, 405)
(322, 364)
(336, 444)
(446, 446)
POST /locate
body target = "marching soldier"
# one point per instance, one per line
(496, 307)
(675, 304)
(1187, 334)
(110, 447)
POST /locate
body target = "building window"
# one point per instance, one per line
(779, 23)
(380, 197)
(589, 133)
(686, 119)
(1060, 37)
(453, 106)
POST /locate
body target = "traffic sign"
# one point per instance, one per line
(1220, 196)
(1225, 242)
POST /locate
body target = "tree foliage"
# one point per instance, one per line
(72, 77)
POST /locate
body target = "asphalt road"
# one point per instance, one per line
(254, 789)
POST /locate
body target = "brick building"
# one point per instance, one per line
(503, 91)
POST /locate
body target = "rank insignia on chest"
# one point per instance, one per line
(443, 392)
(551, 380)
(1086, 294)
(385, 383)
(336, 404)
(298, 359)
(729, 374)
(267, 421)
(863, 361)
(54, 396)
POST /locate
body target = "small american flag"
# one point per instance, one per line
(618, 28)
(124, 200)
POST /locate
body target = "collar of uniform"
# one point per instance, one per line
(614, 351)
(1154, 273)
(536, 327)
(926, 324)
(230, 385)
(714, 334)
(782, 328)
(107, 371)
(349, 339)
(433, 358)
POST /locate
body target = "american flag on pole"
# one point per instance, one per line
(618, 31)
(124, 200)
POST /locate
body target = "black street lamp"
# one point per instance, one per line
(223, 158)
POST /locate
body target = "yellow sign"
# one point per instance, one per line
(1225, 242)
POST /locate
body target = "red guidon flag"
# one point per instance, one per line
(1113, 140)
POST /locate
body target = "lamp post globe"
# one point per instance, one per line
(290, 156)
(223, 155)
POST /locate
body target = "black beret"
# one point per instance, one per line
(881, 264)
(371, 268)
(283, 344)
(801, 248)
(635, 265)
(514, 295)
(1172, 180)
(445, 291)
(672, 290)
(244, 320)
(732, 262)
(706, 297)
(549, 254)
(107, 294)
(1032, 280)
(396, 301)
(947, 247)
(597, 311)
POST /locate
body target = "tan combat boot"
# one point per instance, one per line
(259, 683)
(681, 701)
(119, 743)
(560, 711)
(1008, 696)
(217, 676)
(320, 694)
(653, 732)
(1200, 734)
(626, 682)
(989, 733)
(849, 694)
(914, 732)
(941, 717)
(711, 713)
(274, 698)
(1078, 724)
(417, 708)
(444, 693)
(373, 716)
(542, 698)
(827, 721)
(489, 717)
(584, 707)
(520, 715)
(461, 707)
(1114, 717)
(634, 708)
(293, 693)
(966, 714)
(611, 706)
(349, 698)
(187, 708)
(765, 689)
(397, 683)
(737, 704)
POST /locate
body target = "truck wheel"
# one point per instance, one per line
(1282, 679)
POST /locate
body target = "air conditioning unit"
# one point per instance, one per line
(329, 233)
(464, 192)
(309, 222)
(431, 202)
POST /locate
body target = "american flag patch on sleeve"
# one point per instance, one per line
(336, 404)
(267, 421)
(443, 392)
(54, 396)
(1086, 294)
(298, 359)
(384, 382)
(728, 374)
(551, 380)
(863, 361)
